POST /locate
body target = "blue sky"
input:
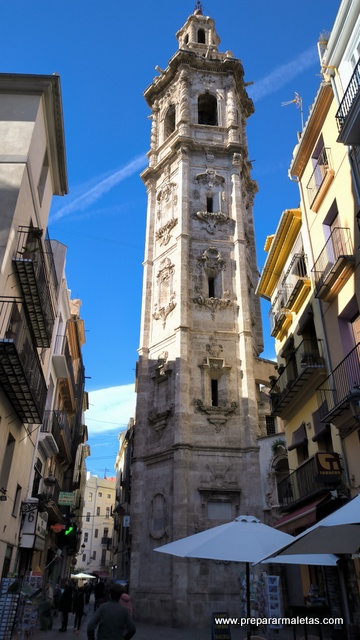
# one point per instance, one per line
(105, 55)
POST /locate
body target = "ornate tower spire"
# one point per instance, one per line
(197, 421)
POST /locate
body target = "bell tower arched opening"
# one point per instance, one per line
(170, 121)
(207, 110)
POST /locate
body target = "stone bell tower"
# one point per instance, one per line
(195, 461)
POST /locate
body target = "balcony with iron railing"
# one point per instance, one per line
(320, 179)
(35, 270)
(21, 374)
(279, 315)
(57, 424)
(340, 391)
(318, 474)
(64, 370)
(296, 282)
(298, 379)
(348, 114)
(334, 265)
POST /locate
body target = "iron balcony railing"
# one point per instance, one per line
(341, 386)
(278, 312)
(296, 273)
(351, 93)
(21, 374)
(337, 247)
(62, 348)
(318, 175)
(35, 269)
(308, 355)
(57, 423)
(306, 481)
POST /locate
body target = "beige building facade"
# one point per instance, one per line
(196, 455)
(42, 398)
(97, 526)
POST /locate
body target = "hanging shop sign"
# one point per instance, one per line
(66, 498)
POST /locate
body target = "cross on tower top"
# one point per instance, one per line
(198, 8)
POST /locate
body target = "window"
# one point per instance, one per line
(219, 510)
(209, 204)
(214, 393)
(96, 533)
(103, 557)
(211, 283)
(109, 496)
(84, 557)
(86, 536)
(100, 494)
(7, 561)
(201, 36)
(94, 555)
(43, 178)
(97, 511)
(90, 497)
(15, 511)
(170, 121)
(88, 516)
(7, 461)
(207, 110)
(107, 513)
(270, 425)
(37, 478)
(106, 532)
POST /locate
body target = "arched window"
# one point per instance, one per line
(186, 39)
(201, 36)
(169, 123)
(207, 110)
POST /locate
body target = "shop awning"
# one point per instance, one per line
(300, 518)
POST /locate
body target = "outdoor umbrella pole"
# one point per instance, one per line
(247, 565)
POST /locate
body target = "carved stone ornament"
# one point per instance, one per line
(163, 312)
(167, 269)
(163, 234)
(212, 260)
(214, 350)
(210, 179)
(162, 370)
(211, 219)
(158, 519)
(159, 420)
(218, 416)
(212, 304)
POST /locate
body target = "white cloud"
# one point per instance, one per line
(110, 409)
(87, 195)
(282, 75)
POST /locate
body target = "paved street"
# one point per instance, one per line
(152, 632)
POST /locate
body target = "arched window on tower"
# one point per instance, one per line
(201, 36)
(169, 123)
(207, 110)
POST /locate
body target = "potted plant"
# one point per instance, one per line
(278, 446)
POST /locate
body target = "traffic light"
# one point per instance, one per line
(67, 538)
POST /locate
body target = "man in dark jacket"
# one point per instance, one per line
(111, 619)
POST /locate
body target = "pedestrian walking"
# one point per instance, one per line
(112, 620)
(125, 600)
(78, 608)
(99, 594)
(65, 605)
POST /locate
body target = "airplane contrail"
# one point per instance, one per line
(84, 200)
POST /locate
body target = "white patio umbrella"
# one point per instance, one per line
(337, 533)
(242, 540)
(82, 576)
